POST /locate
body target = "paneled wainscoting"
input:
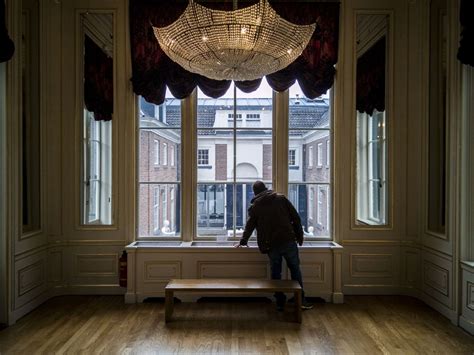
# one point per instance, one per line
(151, 265)
(363, 324)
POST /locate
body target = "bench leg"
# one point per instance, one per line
(298, 306)
(169, 303)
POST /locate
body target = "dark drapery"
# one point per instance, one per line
(98, 81)
(7, 48)
(153, 70)
(370, 82)
(466, 45)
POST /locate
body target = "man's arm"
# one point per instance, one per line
(249, 228)
(296, 222)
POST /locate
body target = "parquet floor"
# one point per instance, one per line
(363, 325)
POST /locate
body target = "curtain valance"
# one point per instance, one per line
(98, 81)
(7, 48)
(370, 83)
(153, 71)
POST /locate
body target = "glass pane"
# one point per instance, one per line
(165, 115)
(215, 155)
(305, 113)
(254, 110)
(371, 143)
(311, 150)
(217, 113)
(313, 203)
(159, 155)
(254, 156)
(214, 209)
(159, 210)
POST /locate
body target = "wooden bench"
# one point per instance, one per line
(229, 286)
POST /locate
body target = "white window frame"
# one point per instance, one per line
(365, 196)
(156, 209)
(319, 217)
(201, 159)
(310, 156)
(156, 149)
(164, 204)
(295, 162)
(103, 179)
(328, 152)
(172, 155)
(165, 154)
(319, 155)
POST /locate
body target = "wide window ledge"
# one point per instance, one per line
(220, 245)
(204, 166)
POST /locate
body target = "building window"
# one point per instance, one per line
(328, 153)
(165, 153)
(172, 153)
(231, 116)
(156, 145)
(310, 127)
(320, 154)
(321, 199)
(156, 210)
(203, 156)
(156, 217)
(96, 171)
(371, 167)
(253, 116)
(292, 157)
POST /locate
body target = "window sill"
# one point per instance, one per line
(294, 167)
(221, 245)
(204, 166)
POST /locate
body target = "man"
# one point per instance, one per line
(278, 230)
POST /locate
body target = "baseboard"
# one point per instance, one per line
(368, 290)
(441, 308)
(466, 324)
(28, 307)
(95, 290)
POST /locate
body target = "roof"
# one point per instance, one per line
(304, 113)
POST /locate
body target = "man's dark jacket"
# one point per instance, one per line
(276, 220)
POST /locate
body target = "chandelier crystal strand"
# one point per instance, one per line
(244, 44)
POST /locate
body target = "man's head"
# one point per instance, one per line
(258, 187)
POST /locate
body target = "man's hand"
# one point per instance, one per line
(238, 245)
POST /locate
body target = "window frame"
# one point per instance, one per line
(202, 159)
(319, 156)
(156, 150)
(189, 164)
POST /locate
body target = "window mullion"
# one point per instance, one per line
(189, 166)
(280, 141)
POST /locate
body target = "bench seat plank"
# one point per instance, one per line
(231, 285)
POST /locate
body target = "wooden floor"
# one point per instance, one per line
(104, 324)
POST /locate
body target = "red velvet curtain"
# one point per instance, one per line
(98, 81)
(153, 71)
(466, 45)
(7, 48)
(370, 82)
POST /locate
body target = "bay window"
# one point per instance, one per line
(229, 156)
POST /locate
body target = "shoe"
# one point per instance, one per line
(306, 305)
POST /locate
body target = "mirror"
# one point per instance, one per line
(437, 118)
(98, 95)
(31, 126)
(371, 130)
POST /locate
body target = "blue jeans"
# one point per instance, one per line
(290, 253)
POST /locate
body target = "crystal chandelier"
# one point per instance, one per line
(243, 44)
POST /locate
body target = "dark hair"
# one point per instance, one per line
(258, 187)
